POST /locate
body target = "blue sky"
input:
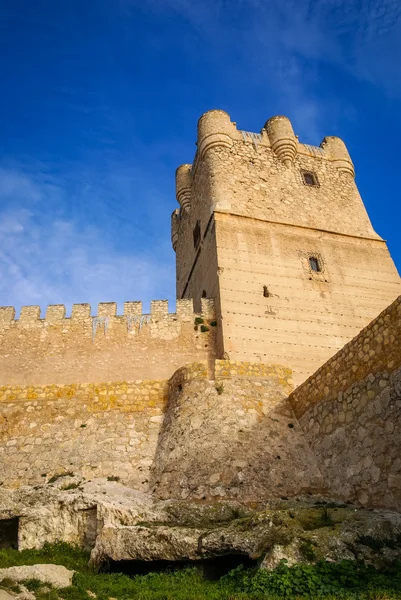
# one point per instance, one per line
(99, 105)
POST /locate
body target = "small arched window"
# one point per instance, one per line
(266, 291)
(204, 294)
(314, 264)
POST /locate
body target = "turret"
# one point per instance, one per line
(282, 138)
(215, 129)
(174, 228)
(337, 150)
(183, 180)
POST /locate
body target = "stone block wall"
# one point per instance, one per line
(105, 347)
(234, 437)
(350, 411)
(91, 430)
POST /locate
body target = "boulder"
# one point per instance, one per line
(56, 575)
(118, 523)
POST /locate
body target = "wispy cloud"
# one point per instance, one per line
(286, 44)
(49, 258)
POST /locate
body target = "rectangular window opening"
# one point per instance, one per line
(310, 178)
(314, 264)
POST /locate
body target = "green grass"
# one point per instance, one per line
(348, 580)
(58, 554)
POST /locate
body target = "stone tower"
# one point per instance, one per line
(276, 231)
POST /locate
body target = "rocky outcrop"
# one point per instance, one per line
(118, 523)
(56, 575)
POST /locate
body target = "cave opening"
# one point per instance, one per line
(210, 568)
(9, 533)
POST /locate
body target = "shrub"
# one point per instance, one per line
(307, 551)
(219, 388)
(113, 478)
(322, 579)
(59, 475)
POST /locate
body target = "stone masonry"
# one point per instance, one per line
(254, 209)
(233, 437)
(350, 411)
(280, 278)
(105, 347)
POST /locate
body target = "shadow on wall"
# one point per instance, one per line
(233, 439)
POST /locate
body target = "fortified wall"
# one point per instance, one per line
(105, 347)
(87, 394)
(350, 412)
(200, 404)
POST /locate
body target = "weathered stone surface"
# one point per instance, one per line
(99, 349)
(350, 412)
(130, 525)
(6, 596)
(48, 513)
(249, 445)
(56, 575)
(298, 533)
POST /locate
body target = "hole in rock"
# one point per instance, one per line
(9, 533)
(210, 568)
(89, 525)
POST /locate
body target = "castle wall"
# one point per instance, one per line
(350, 410)
(235, 437)
(91, 430)
(81, 349)
(308, 316)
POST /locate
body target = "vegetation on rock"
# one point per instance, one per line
(348, 580)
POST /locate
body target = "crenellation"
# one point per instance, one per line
(133, 308)
(278, 269)
(55, 312)
(159, 308)
(185, 309)
(80, 312)
(207, 308)
(107, 309)
(86, 348)
(29, 314)
(263, 206)
(7, 314)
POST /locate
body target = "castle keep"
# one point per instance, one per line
(276, 231)
(279, 373)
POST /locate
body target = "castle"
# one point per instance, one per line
(279, 372)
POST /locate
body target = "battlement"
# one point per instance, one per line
(215, 129)
(83, 348)
(57, 312)
(270, 175)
